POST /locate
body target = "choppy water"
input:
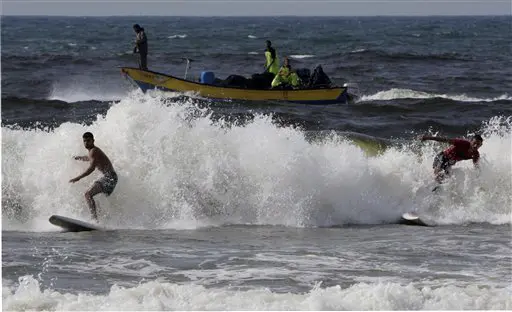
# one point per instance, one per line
(257, 206)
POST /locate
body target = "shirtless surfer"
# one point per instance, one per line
(460, 150)
(99, 160)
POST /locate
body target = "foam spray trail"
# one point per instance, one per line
(177, 168)
(84, 91)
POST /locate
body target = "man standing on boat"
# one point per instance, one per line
(141, 46)
(271, 59)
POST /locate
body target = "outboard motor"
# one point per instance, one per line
(353, 91)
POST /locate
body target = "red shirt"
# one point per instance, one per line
(460, 150)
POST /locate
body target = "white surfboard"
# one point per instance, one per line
(73, 225)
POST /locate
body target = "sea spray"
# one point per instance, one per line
(178, 167)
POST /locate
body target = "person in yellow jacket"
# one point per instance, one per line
(286, 75)
(271, 59)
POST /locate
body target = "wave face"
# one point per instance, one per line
(178, 163)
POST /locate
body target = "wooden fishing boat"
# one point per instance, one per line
(148, 80)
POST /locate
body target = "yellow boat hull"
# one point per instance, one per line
(147, 80)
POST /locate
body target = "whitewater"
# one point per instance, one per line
(211, 214)
(185, 169)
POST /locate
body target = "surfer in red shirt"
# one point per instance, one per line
(460, 149)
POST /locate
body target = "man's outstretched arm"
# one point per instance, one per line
(89, 170)
(433, 138)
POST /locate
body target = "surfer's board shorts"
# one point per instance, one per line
(108, 182)
(443, 162)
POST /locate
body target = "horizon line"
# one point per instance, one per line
(291, 15)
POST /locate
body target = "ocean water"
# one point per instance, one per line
(257, 206)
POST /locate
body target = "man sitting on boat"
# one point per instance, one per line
(286, 77)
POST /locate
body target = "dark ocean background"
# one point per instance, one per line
(257, 206)
(450, 73)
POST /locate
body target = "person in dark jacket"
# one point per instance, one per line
(141, 46)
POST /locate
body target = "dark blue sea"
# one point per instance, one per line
(257, 206)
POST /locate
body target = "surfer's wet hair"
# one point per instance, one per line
(88, 135)
(478, 137)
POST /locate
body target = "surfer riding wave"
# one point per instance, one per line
(460, 149)
(99, 160)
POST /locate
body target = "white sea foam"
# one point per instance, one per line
(27, 294)
(178, 36)
(411, 94)
(184, 171)
(86, 90)
(301, 56)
